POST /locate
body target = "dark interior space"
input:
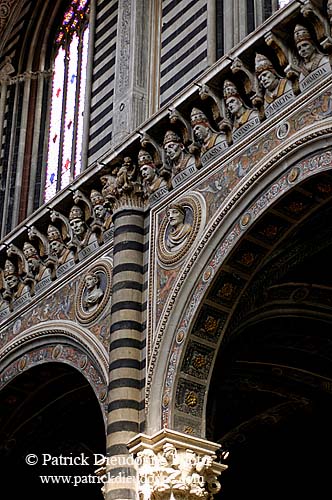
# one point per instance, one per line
(50, 412)
(270, 402)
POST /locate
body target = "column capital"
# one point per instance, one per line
(174, 466)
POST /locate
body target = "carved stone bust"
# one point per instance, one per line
(176, 154)
(310, 58)
(179, 229)
(93, 294)
(203, 131)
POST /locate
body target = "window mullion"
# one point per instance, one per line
(77, 106)
(63, 118)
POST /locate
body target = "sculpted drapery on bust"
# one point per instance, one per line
(239, 112)
(176, 153)
(273, 85)
(94, 293)
(180, 230)
(203, 131)
(151, 180)
(311, 58)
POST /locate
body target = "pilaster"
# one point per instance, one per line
(130, 102)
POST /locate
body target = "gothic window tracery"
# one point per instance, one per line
(67, 102)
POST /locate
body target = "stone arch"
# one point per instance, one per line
(60, 342)
(51, 424)
(283, 169)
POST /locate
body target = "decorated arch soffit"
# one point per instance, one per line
(232, 196)
(57, 342)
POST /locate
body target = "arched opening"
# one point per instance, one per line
(269, 401)
(50, 412)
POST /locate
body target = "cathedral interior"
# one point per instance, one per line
(166, 230)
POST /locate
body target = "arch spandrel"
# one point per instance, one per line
(220, 186)
(186, 357)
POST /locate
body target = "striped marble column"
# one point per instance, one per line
(126, 351)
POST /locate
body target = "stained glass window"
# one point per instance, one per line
(67, 104)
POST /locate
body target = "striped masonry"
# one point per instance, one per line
(126, 371)
(101, 113)
(183, 45)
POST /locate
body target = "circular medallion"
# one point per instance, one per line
(93, 292)
(180, 336)
(283, 130)
(83, 362)
(208, 273)
(56, 353)
(166, 400)
(22, 363)
(179, 228)
(245, 219)
(293, 175)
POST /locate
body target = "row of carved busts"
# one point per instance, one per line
(43, 257)
(247, 97)
(70, 237)
(186, 145)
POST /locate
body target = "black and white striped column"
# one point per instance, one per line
(126, 352)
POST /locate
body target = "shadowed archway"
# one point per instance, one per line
(269, 401)
(50, 410)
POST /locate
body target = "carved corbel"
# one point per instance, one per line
(219, 111)
(42, 241)
(43, 247)
(176, 118)
(81, 200)
(68, 234)
(148, 143)
(251, 87)
(321, 25)
(238, 67)
(287, 60)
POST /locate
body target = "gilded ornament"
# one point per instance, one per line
(180, 336)
(226, 291)
(166, 400)
(207, 274)
(191, 399)
(324, 188)
(270, 231)
(22, 363)
(245, 219)
(296, 207)
(247, 259)
(199, 361)
(293, 175)
(102, 395)
(210, 324)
